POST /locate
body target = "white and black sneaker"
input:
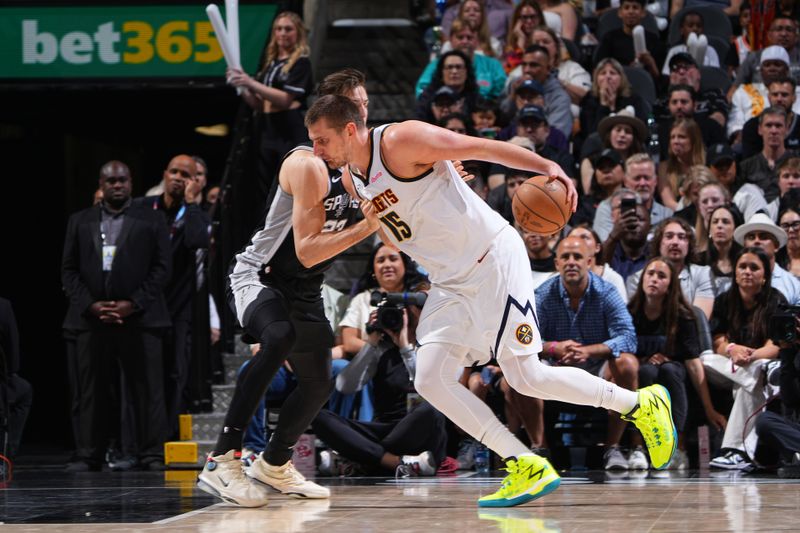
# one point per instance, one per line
(614, 460)
(732, 460)
(223, 477)
(286, 480)
(416, 465)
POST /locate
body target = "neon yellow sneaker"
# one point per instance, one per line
(529, 477)
(653, 417)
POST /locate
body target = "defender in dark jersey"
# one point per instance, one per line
(276, 294)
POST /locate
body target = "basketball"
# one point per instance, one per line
(540, 205)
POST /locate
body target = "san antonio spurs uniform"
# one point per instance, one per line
(271, 261)
(482, 294)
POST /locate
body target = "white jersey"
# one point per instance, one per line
(435, 218)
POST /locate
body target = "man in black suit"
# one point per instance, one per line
(16, 394)
(115, 266)
(188, 227)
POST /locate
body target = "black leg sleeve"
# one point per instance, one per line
(314, 386)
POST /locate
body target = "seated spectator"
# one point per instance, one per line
(584, 323)
(697, 177)
(788, 173)
(739, 325)
(499, 198)
(788, 257)
(458, 123)
(781, 93)
(626, 248)
(536, 66)
(691, 22)
(542, 258)
(722, 248)
(761, 232)
(484, 114)
(750, 98)
(674, 239)
(668, 345)
(681, 104)
(527, 16)
(708, 104)
(397, 436)
(610, 93)
(761, 168)
(748, 198)
(452, 89)
(782, 32)
(782, 432)
(474, 11)
(640, 177)
(621, 132)
(532, 123)
(565, 22)
(489, 75)
(572, 76)
(599, 268)
(618, 43)
(498, 16)
(740, 44)
(606, 180)
(684, 150)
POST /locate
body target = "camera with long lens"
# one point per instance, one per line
(390, 308)
(782, 326)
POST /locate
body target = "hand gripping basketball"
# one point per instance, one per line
(541, 205)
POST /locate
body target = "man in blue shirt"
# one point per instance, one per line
(584, 323)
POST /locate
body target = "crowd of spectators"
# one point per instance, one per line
(685, 244)
(682, 140)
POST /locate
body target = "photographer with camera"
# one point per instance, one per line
(742, 347)
(405, 436)
(782, 432)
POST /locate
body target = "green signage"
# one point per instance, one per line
(112, 42)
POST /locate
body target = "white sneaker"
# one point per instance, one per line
(223, 477)
(679, 461)
(285, 479)
(614, 460)
(637, 460)
(732, 460)
(420, 465)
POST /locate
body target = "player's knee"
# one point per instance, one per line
(278, 337)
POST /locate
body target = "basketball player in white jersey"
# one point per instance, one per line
(481, 302)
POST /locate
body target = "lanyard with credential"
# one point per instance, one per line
(181, 211)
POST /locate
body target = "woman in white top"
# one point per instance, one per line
(387, 271)
(573, 77)
(603, 270)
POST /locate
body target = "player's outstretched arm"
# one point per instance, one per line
(426, 144)
(305, 177)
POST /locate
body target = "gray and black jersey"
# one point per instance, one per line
(271, 257)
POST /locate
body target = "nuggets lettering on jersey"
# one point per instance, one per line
(434, 217)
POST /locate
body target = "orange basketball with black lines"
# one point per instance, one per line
(540, 205)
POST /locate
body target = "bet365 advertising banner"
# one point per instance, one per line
(126, 41)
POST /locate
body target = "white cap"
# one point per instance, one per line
(775, 53)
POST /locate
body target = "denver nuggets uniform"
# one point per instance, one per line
(482, 294)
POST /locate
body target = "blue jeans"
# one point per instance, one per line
(342, 404)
